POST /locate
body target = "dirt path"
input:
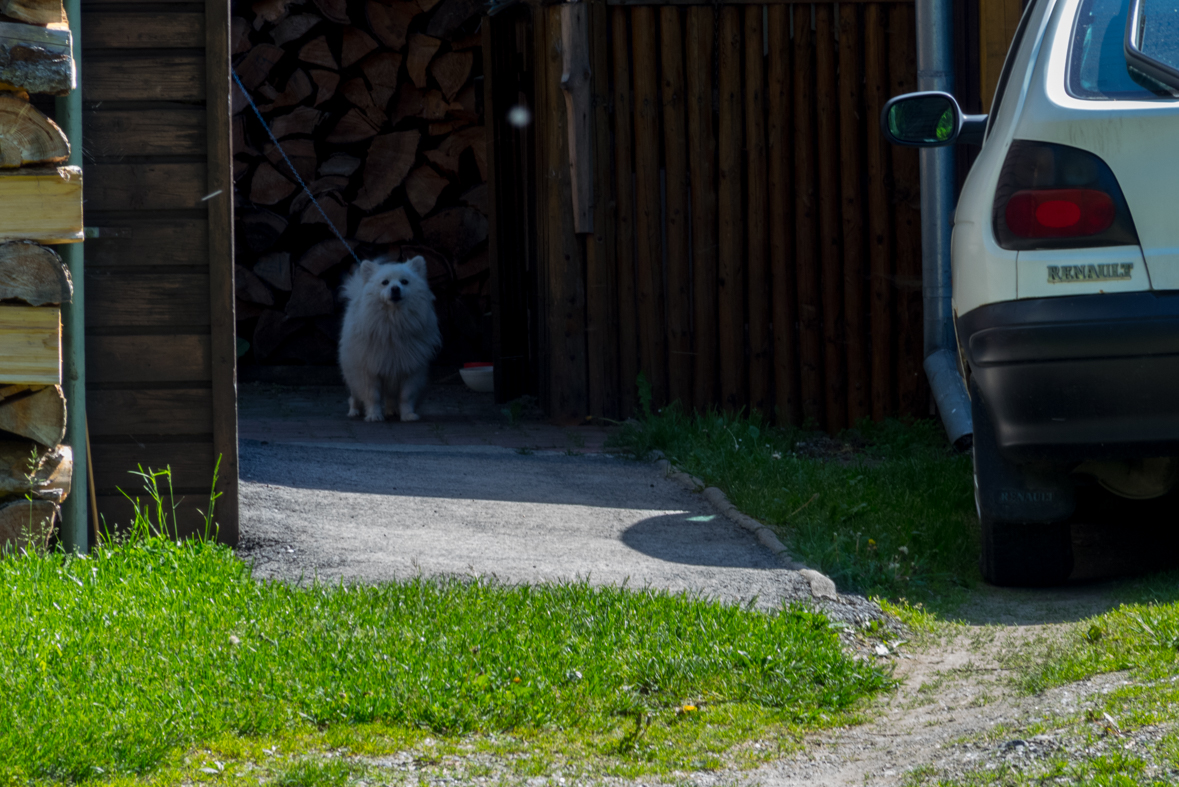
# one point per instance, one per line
(955, 708)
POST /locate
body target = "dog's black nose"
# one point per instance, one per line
(395, 293)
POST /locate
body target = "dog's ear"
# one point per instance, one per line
(417, 265)
(365, 272)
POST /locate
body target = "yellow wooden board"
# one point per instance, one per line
(30, 344)
(42, 204)
(997, 22)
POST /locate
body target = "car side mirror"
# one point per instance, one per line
(929, 119)
(1152, 41)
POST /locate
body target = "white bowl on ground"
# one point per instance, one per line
(479, 377)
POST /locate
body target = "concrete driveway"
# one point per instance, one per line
(322, 496)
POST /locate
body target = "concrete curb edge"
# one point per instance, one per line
(822, 586)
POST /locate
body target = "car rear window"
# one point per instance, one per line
(1097, 61)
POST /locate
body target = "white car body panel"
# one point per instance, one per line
(1046, 273)
(982, 271)
(1126, 134)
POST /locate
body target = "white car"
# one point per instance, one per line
(1065, 259)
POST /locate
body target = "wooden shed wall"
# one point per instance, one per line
(160, 348)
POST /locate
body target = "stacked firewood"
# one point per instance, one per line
(377, 107)
(40, 203)
(35, 468)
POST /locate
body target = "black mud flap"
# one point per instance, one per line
(1010, 492)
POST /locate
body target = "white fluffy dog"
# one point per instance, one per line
(389, 337)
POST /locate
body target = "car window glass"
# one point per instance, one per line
(1097, 60)
(1005, 73)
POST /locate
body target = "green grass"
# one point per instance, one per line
(126, 663)
(1142, 636)
(892, 514)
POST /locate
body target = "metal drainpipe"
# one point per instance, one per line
(75, 531)
(935, 71)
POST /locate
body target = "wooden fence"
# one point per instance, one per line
(755, 242)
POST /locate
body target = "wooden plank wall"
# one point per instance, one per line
(159, 276)
(766, 249)
(997, 22)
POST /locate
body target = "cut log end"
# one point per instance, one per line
(27, 136)
(38, 416)
(41, 473)
(33, 274)
(27, 525)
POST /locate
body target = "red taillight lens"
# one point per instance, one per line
(1052, 196)
(1059, 213)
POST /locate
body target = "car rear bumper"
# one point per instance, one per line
(1078, 377)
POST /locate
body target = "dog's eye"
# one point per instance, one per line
(386, 281)
(405, 281)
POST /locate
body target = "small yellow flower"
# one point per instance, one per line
(515, 680)
(871, 543)
(688, 708)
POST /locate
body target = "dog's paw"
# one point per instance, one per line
(353, 412)
(410, 417)
(375, 417)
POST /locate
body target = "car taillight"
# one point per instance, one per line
(1052, 196)
(1059, 213)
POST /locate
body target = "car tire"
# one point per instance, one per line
(1017, 551)
(1016, 554)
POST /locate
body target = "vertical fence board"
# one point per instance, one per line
(912, 398)
(624, 239)
(852, 184)
(827, 128)
(781, 207)
(512, 194)
(756, 215)
(540, 61)
(806, 262)
(601, 306)
(566, 260)
(223, 344)
(679, 283)
(495, 159)
(879, 224)
(731, 273)
(702, 168)
(648, 204)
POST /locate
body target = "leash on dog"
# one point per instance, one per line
(291, 166)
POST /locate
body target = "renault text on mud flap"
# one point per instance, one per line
(1021, 496)
(1114, 271)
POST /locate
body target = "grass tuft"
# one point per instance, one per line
(1141, 637)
